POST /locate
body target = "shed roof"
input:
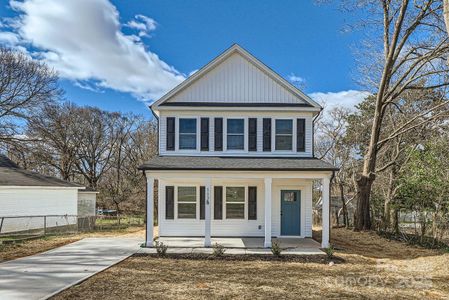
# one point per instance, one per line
(236, 163)
(12, 175)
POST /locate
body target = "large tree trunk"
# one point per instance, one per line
(363, 218)
(343, 206)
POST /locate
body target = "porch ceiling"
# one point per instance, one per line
(236, 163)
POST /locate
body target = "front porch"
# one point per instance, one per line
(240, 245)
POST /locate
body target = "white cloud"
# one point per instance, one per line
(8, 38)
(82, 40)
(143, 24)
(295, 79)
(347, 99)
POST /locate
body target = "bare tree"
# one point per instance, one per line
(55, 128)
(25, 85)
(414, 53)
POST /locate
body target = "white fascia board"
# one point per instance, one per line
(199, 174)
(30, 187)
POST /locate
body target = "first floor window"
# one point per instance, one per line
(187, 202)
(187, 133)
(235, 202)
(284, 135)
(235, 134)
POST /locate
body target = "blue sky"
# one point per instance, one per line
(120, 55)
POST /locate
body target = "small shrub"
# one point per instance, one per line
(161, 249)
(276, 249)
(218, 250)
(329, 251)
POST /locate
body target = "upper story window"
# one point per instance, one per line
(187, 134)
(284, 135)
(235, 134)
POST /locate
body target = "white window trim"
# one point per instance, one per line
(197, 139)
(273, 136)
(245, 206)
(197, 198)
(245, 135)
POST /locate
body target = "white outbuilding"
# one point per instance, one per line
(29, 200)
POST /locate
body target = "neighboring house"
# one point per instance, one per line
(30, 197)
(235, 155)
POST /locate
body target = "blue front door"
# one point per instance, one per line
(290, 212)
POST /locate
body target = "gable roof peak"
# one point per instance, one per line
(225, 55)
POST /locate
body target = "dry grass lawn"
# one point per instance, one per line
(31, 247)
(373, 267)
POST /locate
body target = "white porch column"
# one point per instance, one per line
(150, 211)
(325, 212)
(207, 213)
(267, 197)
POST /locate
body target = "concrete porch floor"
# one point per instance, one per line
(236, 245)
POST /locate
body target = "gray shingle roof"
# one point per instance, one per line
(236, 163)
(12, 175)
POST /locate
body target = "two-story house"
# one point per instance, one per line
(235, 155)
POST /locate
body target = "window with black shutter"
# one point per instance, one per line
(218, 128)
(252, 134)
(218, 202)
(267, 134)
(170, 144)
(202, 202)
(169, 202)
(252, 203)
(204, 134)
(300, 135)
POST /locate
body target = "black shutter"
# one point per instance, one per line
(252, 203)
(204, 134)
(218, 202)
(202, 202)
(218, 124)
(170, 134)
(252, 134)
(169, 202)
(300, 135)
(266, 134)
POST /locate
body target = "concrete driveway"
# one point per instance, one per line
(43, 275)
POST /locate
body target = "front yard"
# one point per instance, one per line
(373, 267)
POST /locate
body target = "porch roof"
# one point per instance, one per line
(237, 163)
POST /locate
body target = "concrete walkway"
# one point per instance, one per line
(43, 275)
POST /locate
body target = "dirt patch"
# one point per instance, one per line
(374, 272)
(31, 247)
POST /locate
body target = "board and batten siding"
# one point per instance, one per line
(233, 227)
(233, 114)
(236, 80)
(37, 201)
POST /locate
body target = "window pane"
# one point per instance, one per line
(284, 127)
(235, 126)
(235, 211)
(187, 141)
(235, 142)
(187, 194)
(187, 210)
(284, 142)
(187, 125)
(235, 194)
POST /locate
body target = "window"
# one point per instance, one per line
(235, 134)
(284, 134)
(235, 203)
(187, 202)
(187, 133)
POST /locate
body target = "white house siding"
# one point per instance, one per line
(308, 116)
(186, 227)
(236, 80)
(37, 201)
